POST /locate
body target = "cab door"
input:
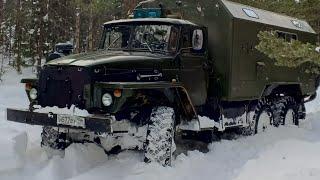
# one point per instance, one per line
(193, 62)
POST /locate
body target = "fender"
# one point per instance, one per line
(180, 95)
(293, 89)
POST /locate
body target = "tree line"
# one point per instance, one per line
(29, 29)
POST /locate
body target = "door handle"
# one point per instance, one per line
(261, 64)
(205, 66)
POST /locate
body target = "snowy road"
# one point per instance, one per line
(285, 153)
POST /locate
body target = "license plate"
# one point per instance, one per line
(71, 121)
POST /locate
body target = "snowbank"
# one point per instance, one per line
(78, 159)
(286, 160)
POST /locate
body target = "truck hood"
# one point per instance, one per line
(116, 58)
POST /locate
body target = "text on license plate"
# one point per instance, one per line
(71, 121)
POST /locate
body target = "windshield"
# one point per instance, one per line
(153, 38)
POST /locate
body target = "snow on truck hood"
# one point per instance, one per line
(103, 57)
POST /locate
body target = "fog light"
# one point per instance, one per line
(33, 94)
(106, 99)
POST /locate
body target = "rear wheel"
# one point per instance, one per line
(159, 145)
(262, 118)
(287, 111)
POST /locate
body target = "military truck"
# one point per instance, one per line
(159, 76)
(60, 50)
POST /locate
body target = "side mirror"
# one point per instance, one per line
(197, 40)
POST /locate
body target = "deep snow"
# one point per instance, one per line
(286, 153)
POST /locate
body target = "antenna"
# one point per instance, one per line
(179, 5)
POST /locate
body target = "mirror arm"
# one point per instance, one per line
(182, 49)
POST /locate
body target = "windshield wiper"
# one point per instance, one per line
(113, 42)
(150, 49)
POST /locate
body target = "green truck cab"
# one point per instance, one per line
(156, 75)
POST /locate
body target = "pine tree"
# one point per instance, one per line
(41, 22)
(78, 29)
(1, 20)
(18, 35)
(291, 54)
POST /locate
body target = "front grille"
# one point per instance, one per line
(62, 86)
(59, 93)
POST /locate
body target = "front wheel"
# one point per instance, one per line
(52, 139)
(159, 145)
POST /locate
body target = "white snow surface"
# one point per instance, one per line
(286, 153)
(73, 110)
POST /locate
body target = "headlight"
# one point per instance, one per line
(107, 99)
(33, 94)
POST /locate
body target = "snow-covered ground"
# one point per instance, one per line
(286, 153)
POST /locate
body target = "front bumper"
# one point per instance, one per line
(100, 124)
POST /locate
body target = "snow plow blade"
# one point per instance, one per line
(95, 123)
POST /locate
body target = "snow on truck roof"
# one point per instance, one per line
(249, 13)
(151, 20)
